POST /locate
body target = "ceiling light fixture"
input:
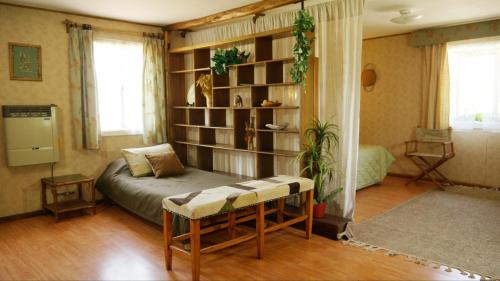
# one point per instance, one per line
(405, 17)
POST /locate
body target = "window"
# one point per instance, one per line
(118, 66)
(475, 84)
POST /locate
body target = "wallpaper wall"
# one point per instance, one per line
(391, 112)
(20, 186)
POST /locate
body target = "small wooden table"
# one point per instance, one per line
(57, 206)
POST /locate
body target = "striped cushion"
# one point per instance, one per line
(218, 200)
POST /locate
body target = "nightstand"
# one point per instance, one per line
(58, 207)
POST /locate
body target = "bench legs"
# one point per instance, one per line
(195, 248)
(167, 238)
(260, 226)
(309, 213)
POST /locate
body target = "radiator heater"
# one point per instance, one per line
(31, 134)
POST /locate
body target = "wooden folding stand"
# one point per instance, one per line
(234, 218)
(423, 160)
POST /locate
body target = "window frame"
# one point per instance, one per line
(110, 38)
(469, 126)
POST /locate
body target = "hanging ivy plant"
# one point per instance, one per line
(223, 58)
(302, 49)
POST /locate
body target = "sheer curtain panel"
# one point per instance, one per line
(338, 48)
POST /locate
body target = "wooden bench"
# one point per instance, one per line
(237, 203)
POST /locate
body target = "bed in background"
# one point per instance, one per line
(143, 196)
(373, 164)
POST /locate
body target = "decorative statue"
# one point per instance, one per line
(205, 83)
(238, 101)
(250, 133)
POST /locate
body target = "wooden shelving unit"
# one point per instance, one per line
(195, 131)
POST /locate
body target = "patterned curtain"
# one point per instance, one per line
(155, 122)
(83, 89)
(435, 88)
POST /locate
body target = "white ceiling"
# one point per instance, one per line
(434, 12)
(158, 12)
(376, 18)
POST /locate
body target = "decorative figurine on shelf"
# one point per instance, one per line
(205, 83)
(238, 101)
(250, 133)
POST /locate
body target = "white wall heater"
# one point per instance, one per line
(31, 134)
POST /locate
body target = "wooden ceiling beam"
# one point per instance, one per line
(247, 10)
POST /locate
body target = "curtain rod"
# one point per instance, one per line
(69, 24)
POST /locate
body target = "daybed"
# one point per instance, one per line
(143, 196)
(373, 163)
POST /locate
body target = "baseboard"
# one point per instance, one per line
(400, 175)
(31, 214)
(22, 216)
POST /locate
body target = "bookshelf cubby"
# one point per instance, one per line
(199, 132)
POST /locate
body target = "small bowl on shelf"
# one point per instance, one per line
(269, 103)
(277, 127)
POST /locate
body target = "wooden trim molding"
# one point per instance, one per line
(22, 216)
(440, 35)
(247, 10)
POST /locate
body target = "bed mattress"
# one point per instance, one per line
(373, 163)
(143, 196)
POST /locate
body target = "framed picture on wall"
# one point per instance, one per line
(25, 62)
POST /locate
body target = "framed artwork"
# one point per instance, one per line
(25, 62)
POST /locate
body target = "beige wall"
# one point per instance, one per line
(391, 112)
(20, 186)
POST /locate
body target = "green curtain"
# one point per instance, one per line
(155, 123)
(83, 89)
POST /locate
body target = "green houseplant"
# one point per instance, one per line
(317, 157)
(223, 58)
(302, 49)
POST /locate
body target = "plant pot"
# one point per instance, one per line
(319, 210)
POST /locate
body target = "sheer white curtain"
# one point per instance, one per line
(338, 48)
(338, 43)
(475, 84)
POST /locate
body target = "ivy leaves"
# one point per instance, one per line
(223, 58)
(302, 49)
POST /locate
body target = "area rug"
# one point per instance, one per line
(458, 227)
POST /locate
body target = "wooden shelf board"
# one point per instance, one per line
(237, 108)
(202, 126)
(278, 152)
(189, 70)
(262, 62)
(286, 131)
(71, 205)
(201, 107)
(255, 85)
(277, 107)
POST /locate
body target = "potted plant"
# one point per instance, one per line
(223, 58)
(317, 158)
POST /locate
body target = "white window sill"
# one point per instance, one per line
(476, 130)
(120, 133)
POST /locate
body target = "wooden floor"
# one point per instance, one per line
(115, 245)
